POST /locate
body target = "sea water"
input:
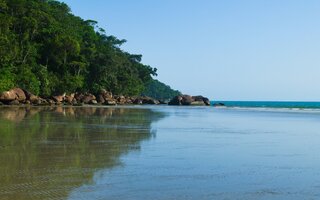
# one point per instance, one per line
(270, 104)
(159, 152)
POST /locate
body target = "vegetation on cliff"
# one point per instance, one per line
(47, 50)
(158, 90)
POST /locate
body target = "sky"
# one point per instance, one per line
(226, 50)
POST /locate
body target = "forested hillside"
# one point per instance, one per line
(47, 50)
(159, 90)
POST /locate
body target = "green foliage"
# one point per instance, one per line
(44, 48)
(28, 80)
(158, 90)
(6, 79)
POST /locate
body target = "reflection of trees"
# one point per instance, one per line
(47, 152)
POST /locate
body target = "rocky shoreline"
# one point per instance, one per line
(18, 96)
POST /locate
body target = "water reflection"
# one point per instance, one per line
(47, 152)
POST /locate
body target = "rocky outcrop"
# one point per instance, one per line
(219, 105)
(69, 99)
(58, 99)
(187, 100)
(19, 96)
(12, 95)
(7, 96)
(88, 99)
(145, 100)
(110, 102)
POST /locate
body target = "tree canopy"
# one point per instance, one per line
(158, 90)
(47, 50)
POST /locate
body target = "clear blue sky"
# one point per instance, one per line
(225, 49)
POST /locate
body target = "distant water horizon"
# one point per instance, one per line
(270, 104)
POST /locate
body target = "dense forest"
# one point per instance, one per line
(47, 50)
(158, 90)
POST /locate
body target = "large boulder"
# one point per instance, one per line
(219, 104)
(121, 100)
(105, 94)
(202, 100)
(206, 101)
(101, 99)
(137, 101)
(21, 96)
(129, 100)
(88, 98)
(69, 99)
(93, 102)
(14, 94)
(35, 100)
(189, 100)
(14, 103)
(7, 96)
(30, 97)
(79, 97)
(150, 101)
(58, 98)
(175, 101)
(186, 100)
(110, 102)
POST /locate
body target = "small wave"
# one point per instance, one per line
(271, 109)
(270, 106)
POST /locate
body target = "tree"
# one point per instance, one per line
(44, 48)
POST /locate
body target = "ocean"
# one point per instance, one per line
(160, 152)
(291, 105)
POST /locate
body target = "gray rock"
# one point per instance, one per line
(110, 102)
(14, 103)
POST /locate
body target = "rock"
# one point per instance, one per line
(197, 103)
(186, 100)
(189, 100)
(59, 98)
(78, 104)
(14, 103)
(34, 99)
(137, 101)
(197, 98)
(79, 97)
(8, 96)
(20, 95)
(74, 101)
(175, 101)
(150, 101)
(121, 100)
(13, 94)
(110, 102)
(105, 94)
(163, 101)
(93, 102)
(206, 101)
(101, 99)
(51, 102)
(69, 99)
(43, 102)
(218, 104)
(88, 98)
(31, 97)
(129, 101)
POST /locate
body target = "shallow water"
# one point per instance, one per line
(158, 153)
